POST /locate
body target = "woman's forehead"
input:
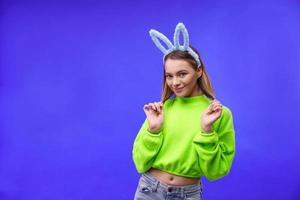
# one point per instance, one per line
(174, 66)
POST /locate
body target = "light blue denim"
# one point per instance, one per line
(150, 188)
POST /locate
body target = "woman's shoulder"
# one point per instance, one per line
(226, 110)
(226, 114)
(168, 102)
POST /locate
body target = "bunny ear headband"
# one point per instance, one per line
(155, 35)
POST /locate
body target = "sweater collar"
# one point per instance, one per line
(191, 100)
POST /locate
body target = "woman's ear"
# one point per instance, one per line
(199, 72)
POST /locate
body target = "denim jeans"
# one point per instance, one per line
(150, 188)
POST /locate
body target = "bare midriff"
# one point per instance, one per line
(172, 179)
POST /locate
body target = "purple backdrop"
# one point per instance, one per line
(75, 75)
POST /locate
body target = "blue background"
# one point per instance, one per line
(75, 75)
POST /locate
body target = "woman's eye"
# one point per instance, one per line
(182, 74)
(168, 76)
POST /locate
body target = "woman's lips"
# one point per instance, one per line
(178, 90)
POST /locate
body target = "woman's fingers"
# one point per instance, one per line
(215, 105)
(153, 106)
(161, 106)
(146, 107)
(156, 106)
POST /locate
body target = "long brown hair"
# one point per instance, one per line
(203, 81)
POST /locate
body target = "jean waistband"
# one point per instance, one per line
(155, 182)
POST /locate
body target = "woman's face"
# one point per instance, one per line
(182, 78)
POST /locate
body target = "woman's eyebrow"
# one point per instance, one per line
(177, 72)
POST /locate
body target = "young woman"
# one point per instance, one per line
(185, 137)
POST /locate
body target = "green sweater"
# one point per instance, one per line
(181, 147)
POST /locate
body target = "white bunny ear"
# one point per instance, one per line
(155, 35)
(181, 28)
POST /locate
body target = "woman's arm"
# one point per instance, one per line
(216, 150)
(145, 147)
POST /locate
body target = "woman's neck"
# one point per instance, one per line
(196, 92)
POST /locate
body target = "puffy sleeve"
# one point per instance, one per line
(145, 147)
(216, 150)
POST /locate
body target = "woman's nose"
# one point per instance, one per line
(176, 82)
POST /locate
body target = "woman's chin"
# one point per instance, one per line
(180, 94)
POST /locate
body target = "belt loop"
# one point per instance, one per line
(182, 193)
(156, 185)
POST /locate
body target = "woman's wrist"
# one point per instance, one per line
(154, 130)
(207, 129)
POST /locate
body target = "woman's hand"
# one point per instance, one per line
(210, 115)
(155, 115)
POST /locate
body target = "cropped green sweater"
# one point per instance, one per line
(181, 147)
